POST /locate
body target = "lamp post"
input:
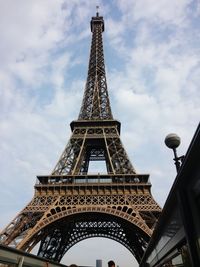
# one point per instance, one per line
(172, 141)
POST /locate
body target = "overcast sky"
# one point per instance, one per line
(151, 53)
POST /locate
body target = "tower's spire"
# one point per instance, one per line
(97, 8)
(96, 105)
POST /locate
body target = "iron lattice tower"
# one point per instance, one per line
(70, 204)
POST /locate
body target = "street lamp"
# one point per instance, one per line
(173, 141)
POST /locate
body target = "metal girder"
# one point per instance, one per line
(84, 142)
(66, 233)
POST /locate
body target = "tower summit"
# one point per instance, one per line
(96, 105)
(70, 204)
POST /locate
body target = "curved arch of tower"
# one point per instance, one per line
(71, 205)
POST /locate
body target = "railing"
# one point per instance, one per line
(13, 257)
(89, 178)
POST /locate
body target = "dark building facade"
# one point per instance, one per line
(176, 239)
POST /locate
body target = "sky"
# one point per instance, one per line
(151, 51)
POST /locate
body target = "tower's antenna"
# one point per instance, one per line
(97, 8)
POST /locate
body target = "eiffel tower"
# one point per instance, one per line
(71, 205)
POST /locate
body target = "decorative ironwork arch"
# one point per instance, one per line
(76, 224)
(59, 212)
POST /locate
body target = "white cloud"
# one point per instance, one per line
(157, 87)
(29, 25)
(159, 11)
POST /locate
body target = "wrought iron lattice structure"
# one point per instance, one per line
(70, 204)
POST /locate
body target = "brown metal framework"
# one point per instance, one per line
(70, 204)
